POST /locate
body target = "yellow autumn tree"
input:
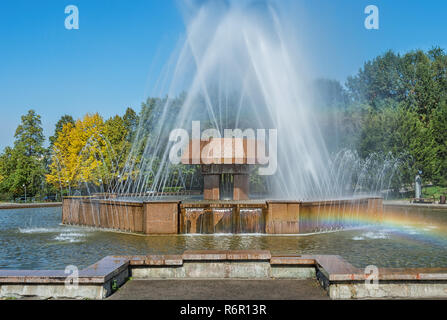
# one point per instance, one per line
(80, 154)
(60, 174)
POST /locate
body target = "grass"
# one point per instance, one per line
(428, 192)
(434, 192)
(115, 286)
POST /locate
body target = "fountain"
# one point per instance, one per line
(216, 213)
(238, 69)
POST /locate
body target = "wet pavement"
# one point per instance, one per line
(210, 289)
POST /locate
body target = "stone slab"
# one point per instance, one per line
(52, 291)
(293, 272)
(94, 282)
(292, 260)
(160, 217)
(158, 272)
(226, 255)
(7, 206)
(401, 290)
(211, 189)
(220, 151)
(336, 268)
(241, 187)
(102, 271)
(155, 260)
(283, 217)
(204, 255)
(107, 268)
(249, 255)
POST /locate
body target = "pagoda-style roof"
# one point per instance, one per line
(220, 151)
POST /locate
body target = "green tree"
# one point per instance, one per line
(118, 145)
(58, 128)
(7, 168)
(379, 79)
(131, 123)
(422, 89)
(330, 94)
(22, 167)
(438, 131)
(29, 134)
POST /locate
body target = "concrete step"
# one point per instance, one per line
(213, 289)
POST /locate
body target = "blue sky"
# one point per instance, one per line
(114, 59)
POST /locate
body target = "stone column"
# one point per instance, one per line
(241, 187)
(160, 217)
(283, 217)
(66, 214)
(211, 187)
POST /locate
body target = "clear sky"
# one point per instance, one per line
(114, 60)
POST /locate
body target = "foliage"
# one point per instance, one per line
(405, 99)
(29, 135)
(130, 120)
(418, 80)
(330, 93)
(59, 125)
(438, 132)
(81, 154)
(22, 167)
(434, 192)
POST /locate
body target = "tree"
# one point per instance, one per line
(59, 125)
(61, 167)
(378, 79)
(422, 90)
(131, 123)
(413, 137)
(438, 131)
(90, 153)
(78, 154)
(417, 79)
(116, 132)
(407, 96)
(29, 134)
(330, 93)
(7, 168)
(23, 166)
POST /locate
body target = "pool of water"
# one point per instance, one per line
(35, 239)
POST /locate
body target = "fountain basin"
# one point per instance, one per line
(338, 277)
(196, 217)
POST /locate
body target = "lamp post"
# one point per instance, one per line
(118, 184)
(69, 188)
(25, 191)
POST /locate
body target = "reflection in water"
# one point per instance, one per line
(34, 239)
